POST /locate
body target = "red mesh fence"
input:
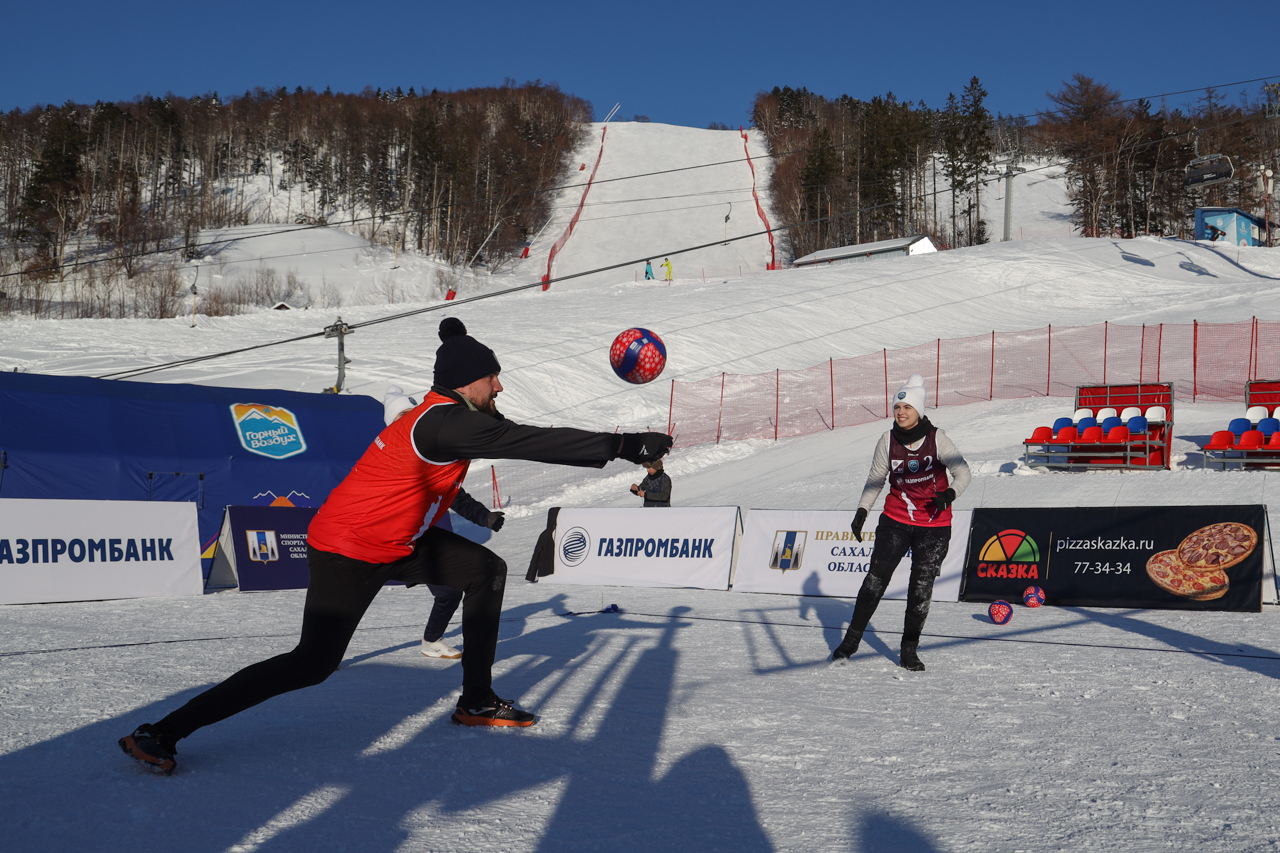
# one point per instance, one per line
(1201, 360)
(1223, 355)
(1266, 350)
(1212, 361)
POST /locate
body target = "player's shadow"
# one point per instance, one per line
(1246, 656)
(369, 761)
(884, 833)
(764, 629)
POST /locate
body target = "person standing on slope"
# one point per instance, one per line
(379, 525)
(395, 404)
(648, 270)
(926, 473)
(666, 264)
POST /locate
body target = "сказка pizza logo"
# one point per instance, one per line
(1009, 554)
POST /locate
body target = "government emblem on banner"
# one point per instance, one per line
(263, 547)
(268, 430)
(788, 549)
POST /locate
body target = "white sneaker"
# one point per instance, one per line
(439, 649)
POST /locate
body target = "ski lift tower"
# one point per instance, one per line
(1009, 171)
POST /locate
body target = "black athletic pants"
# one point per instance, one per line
(446, 604)
(339, 592)
(928, 547)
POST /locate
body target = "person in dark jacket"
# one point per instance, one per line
(655, 488)
(380, 524)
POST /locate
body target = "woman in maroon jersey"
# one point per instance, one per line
(926, 473)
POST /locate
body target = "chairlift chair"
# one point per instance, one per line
(1207, 171)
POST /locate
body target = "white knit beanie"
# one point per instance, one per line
(394, 402)
(912, 394)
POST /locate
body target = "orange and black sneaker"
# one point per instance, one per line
(493, 711)
(150, 749)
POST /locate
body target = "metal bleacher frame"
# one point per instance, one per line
(1132, 455)
(1257, 392)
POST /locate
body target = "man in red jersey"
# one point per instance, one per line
(379, 525)
(926, 473)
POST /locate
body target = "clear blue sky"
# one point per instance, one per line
(686, 63)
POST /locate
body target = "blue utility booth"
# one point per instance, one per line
(1230, 225)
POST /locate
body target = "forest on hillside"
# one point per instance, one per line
(854, 171)
(438, 173)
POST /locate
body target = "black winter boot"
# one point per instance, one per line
(910, 660)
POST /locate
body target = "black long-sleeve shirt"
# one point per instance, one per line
(448, 433)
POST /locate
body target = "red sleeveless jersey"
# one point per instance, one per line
(391, 496)
(915, 476)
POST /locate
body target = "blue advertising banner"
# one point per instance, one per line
(269, 545)
(1173, 557)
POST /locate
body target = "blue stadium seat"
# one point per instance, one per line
(1267, 426)
(1085, 423)
(1062, 422)
(1108, 423)
(1240, 426)
(1138, 424)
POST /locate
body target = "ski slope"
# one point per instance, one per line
(646, 202)
(693, 720)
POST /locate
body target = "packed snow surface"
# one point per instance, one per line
(692, 720)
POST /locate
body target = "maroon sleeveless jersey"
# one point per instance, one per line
(915, 476)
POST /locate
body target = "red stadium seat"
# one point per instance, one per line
(1274, 441)
(1223, 439)
(1067, 435)
(1092, 435)
(1251, 439)
(1117, 435)
(1041, 435)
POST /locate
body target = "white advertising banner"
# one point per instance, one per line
(97, 550)
(646, 546)
(811, 552)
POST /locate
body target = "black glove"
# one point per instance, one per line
(495, 521)
(642, 447)
(859, 519)
(942, 500)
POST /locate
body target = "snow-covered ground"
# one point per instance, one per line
(693, 720)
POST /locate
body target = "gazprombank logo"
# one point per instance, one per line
(574, 546)
(268, 430)
(1009, 554)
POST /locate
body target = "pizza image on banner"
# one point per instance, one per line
(1217, 546)
(1172, 575)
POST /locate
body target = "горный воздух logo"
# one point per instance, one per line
(1009, 554)
(574, 546)
(268, 430)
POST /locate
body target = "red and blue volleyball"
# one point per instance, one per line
(1000, 612)
(1033, 596)
(638, 356)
